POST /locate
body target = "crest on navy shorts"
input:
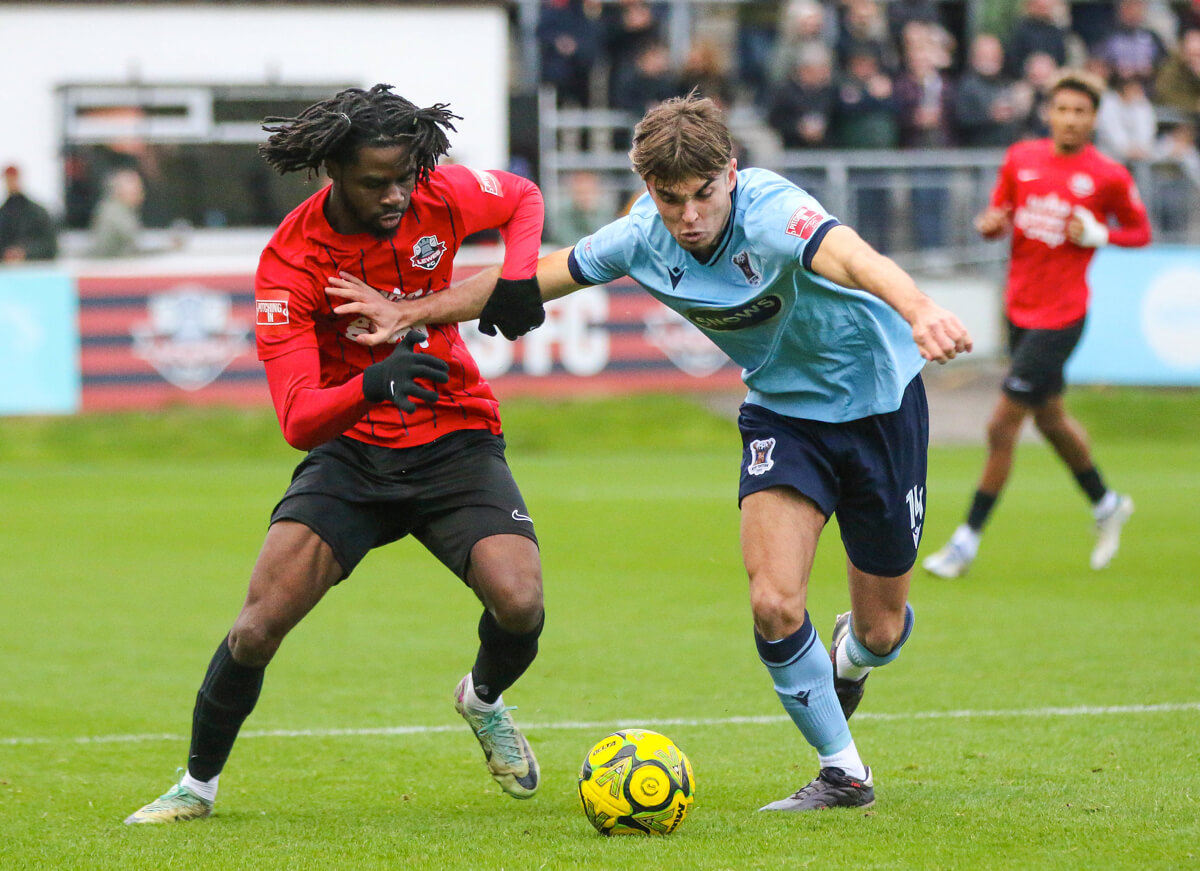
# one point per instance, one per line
(760, 456)
(427, 252)
(742, 261)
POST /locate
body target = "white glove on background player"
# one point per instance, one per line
(1095, 233)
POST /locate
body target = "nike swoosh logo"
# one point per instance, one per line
(517, 515)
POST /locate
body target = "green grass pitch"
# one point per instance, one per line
(1042, 716)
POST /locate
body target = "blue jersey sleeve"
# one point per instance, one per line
(787, 222)
(607, 254)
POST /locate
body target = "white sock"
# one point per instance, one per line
(846, 759)
(474, 702)
(846, 669)
(966, 540)
(205, 789)
(1106, 505)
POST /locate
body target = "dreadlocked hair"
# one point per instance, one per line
(335, 129)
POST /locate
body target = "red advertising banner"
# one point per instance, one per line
(149, 341)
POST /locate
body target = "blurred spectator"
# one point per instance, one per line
(802, 25)
(116, 227)
(924, 105)
(865, 117)
(924, 97)
(988, 108)
(1033, 91)
(1178, 179)
(757, 34)
(1178, 83)
(902, 12)
(1125, 122)
(1132, 49)
(27, 232)
(864, 31)
(586, 208)
(1039, 29)
(647, 82)
(629, 25)
(802, 105)
(705, 69)
(568, 34)
(865, 104)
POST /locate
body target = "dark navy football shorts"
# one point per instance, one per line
(869, 472)
(1038, 359)
(448, 494)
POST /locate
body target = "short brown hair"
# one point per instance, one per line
(1081, 81)
(680, 139)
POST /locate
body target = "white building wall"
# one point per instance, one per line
(430, 54)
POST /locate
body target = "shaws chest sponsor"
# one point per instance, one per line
(738, 317)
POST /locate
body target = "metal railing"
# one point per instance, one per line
(917, 205)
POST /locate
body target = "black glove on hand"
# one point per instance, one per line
(515, 306)
(395, 378)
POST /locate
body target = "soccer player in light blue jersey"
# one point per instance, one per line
(831, 336)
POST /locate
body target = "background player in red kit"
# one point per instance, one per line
(1056, 196)
(381, 465)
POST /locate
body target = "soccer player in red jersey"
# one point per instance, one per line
(402, 438)
(1058, 197)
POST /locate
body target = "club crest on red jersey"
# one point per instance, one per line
(427, 252)
(1082, 184)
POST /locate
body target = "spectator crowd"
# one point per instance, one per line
(855, 74)
(877, 74)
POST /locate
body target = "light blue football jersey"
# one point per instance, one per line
(808, 348)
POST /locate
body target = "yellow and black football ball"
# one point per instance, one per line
(636, 782)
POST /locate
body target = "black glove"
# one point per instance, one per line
(515, 306)
(395, 379)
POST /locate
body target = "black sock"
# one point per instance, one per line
(981, 507)
(502, 658)
(227, 696)
(1092, 484)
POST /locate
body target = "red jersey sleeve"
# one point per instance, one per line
(1125, 204)
(1004, 194)
(494, 199)
(283, 311)
(308, 414)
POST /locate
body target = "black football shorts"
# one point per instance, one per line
(1038, 358)
(449, 494)
(869, 472)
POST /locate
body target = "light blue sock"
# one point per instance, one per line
(803, 677)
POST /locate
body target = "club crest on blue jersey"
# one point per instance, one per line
(427, 252)
(737, 317)
(742, 261)
(760, 456)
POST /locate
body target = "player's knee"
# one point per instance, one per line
(776, 613)
(1001, 435)
(517, 606)
(880, 637)
(254, 641)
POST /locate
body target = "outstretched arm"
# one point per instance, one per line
(462, 301)
(846, 259)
